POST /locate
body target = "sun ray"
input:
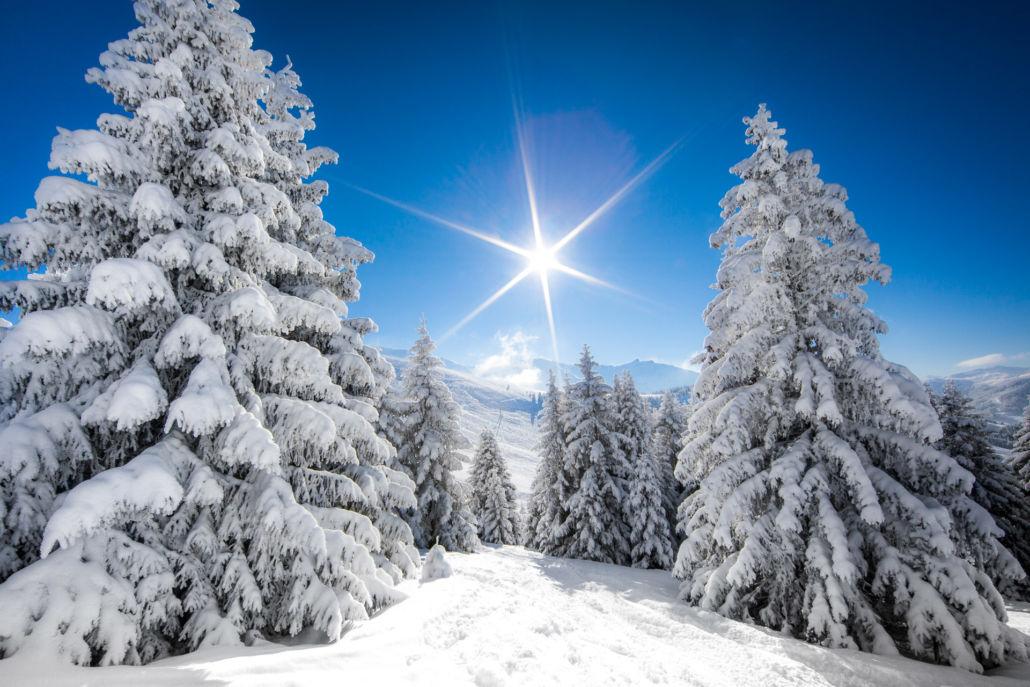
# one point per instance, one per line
(550, 316)
(528, 176)
(488, 302)
(539, 257)
(520, 135)
(607, 205)
(447, 223)
(571, 271)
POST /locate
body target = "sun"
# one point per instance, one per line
(541, 260)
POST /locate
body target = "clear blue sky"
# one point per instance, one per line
(915, 108)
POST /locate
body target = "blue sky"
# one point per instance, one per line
(916, 112)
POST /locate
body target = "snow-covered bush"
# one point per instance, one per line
(436, 566)
(424, 423)
(822, 509)
(493, 497)
(188, 411)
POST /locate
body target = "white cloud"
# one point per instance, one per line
(995, 359)
(688, 364)
(514, 364)
(682, 364)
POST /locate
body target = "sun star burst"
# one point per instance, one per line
(540, 259)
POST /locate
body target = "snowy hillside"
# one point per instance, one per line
(508, 616)
(1000, 392)
(508, 413)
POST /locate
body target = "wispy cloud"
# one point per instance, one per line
(996, 359)
(685, 364)
(514, 364)
(689, 364)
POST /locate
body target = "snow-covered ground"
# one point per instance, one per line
(508, 616)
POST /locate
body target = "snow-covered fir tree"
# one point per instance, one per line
(1020, 458)
(670, 424)
(363, 374)
(547, 510)
(429, 450)
(186, 409)
(643, 509)
(594, 528)
(822, 509)
(996, 488)
(493, 498)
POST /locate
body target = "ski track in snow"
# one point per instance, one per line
(508, 616)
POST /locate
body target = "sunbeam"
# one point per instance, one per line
(528, 176)
(540, 258)
(489, 301)
(590, 279)
(447, 223)
(607, 205)
(550, 316)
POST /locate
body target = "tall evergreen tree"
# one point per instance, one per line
(188, 414)
(595, 529)
(429, 450)
(551, 487)
(996, 488)
(360, 371)
(670, 424)
(1020, 458)
(494, 501)
(643, 509)
(822, 509)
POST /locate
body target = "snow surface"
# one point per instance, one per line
(508, 616)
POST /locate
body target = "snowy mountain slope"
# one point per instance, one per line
(508, 616)
(400, 354)
(999, 392)
(510, 414)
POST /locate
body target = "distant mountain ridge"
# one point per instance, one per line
(649, 376)
(999, 392)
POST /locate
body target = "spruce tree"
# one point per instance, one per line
(995, 489)
(187, 410)
(643, 509)
(429, 450)
(361, 372)
(493, 497)
(670, 424)
(1020, 458)
(551, 487)
(822, 509)
(595, 528)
